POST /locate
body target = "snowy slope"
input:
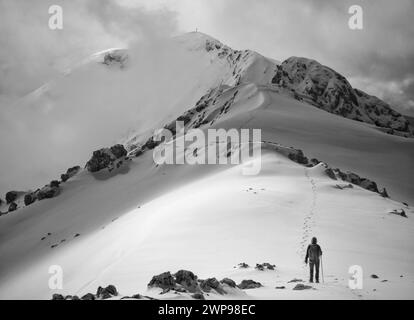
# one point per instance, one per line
(151, 220)
(125, 226)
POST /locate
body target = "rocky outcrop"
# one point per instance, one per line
(249, 284)
(164, 281)
(301, 286)
(242, 265)
(185, 281)
(106, 158)
(211, 284)
(106, 293)
(400, 213)
(116, 57)
(264, 266)
(357, 180)
(330, 91)
(12, 207)
(11, 196)
(69, 173)
(49, 191)
(88, 296)
(29, 198)
(229, 282)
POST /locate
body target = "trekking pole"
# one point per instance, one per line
(323, 279)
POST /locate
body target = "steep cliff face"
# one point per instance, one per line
(330, 91)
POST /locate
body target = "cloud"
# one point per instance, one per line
(42, 135)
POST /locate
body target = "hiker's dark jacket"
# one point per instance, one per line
(313, 252)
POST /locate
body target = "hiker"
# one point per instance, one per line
(313, 253)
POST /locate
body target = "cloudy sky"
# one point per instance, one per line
(378, 59)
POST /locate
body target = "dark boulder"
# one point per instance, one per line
(211, 284)
(298, 157)
(187, 279)
(229, 282)
(105, 157)
(100, 159)
(29, 199)
(330, 173)
(11, 196)
(118, 151)
(106, 293)
(242, 265)
(88, 296)
(48, 192)
(249, 284)
(54, 184)
(12, 207)
(265, 265)
(198, 296)
(164, 281)
(69, 173)
(301, 286)
(57, 296)
(369, 185)
(400, 212)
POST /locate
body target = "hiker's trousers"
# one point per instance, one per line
(314, 265)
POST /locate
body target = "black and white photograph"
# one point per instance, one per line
(218, 150)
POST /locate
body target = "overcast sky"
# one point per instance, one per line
(378, 59)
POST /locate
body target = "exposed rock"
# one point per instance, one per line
(164, 281)
(384, 193)
(295, 280)
(330, 91)
(242, 265)
(187, 279)
(12, 207)
(105, 158)
(211, 284)
(281, 287)
(11, 196)
(88, 296)
(301, 286)
(29, 198)
(198, 296)
(106, 293)
(249, 284)
(48, 192)
(118, 151)
(374, 276)
(369, 185)
(400, 212)
(57, 296)
(298, 157)
(113, 57)
(266, 265)
(229, 282)
(330, 173)
(69, 173)
(357, 180)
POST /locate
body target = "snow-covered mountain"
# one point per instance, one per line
(123, 219)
